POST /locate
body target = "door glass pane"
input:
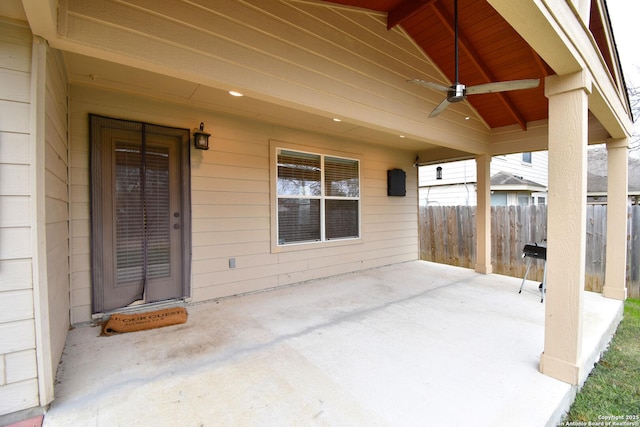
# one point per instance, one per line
(129, 215)
(157, 212)
(140, 214)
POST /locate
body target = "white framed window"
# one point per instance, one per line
(318, 197)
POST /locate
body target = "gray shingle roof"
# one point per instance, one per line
(509, 179)
(597, 172)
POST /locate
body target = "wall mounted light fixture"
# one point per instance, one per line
(201, 138)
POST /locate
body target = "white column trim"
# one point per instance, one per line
(46, 372)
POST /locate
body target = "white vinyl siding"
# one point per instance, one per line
(458, 183)
(535, 171)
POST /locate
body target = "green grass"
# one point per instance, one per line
(613, 387)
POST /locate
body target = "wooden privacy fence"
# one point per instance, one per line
(448, 236)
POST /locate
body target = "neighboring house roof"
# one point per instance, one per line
(505, 181)
(596, 184)
(597, 174)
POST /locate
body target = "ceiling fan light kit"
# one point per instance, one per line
(458, 92)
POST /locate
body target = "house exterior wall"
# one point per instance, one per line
(18, 367)
(454, 194)
(535, 171)
(56, 192)
(34, 273)
(232, 204)
(458, 183)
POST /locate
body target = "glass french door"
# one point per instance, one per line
(140, 226)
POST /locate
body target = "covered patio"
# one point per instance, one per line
(329, 112)
(414, 343)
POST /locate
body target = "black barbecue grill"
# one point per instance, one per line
(532, 252)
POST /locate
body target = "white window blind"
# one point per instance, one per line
(142, 212)
(318, 197)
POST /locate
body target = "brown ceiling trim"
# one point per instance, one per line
(482, 68)
(405, 10)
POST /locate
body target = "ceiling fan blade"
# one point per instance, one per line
(436, 86)
(502, 86)
(440, 108)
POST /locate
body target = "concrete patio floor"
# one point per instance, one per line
(411, 344)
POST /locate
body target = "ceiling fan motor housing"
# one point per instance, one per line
(456, 93)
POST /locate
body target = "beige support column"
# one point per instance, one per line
(615, 279)
(483, 214)
(566, 225)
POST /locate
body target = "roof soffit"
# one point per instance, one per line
(560, 40)
(544, 37)
(568, 47)
(306, 56)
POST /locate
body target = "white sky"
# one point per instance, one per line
(624, 20)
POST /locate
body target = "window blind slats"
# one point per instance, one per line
(299, 174)
(341, 219)
(305, 207)
(298, 220)
(341, 177)
(158, 215)
(129, 213)
(142, 213)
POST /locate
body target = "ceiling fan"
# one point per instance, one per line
(458, 92)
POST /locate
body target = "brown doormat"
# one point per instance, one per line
(119, 323)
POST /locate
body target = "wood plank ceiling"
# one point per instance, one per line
(489, 50)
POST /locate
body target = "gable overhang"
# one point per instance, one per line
(325, 81)
(556, 30)
(553, 29)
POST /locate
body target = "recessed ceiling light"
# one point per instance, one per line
(335, 119)
(467, 118)
(234, 93)
(401, 136)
